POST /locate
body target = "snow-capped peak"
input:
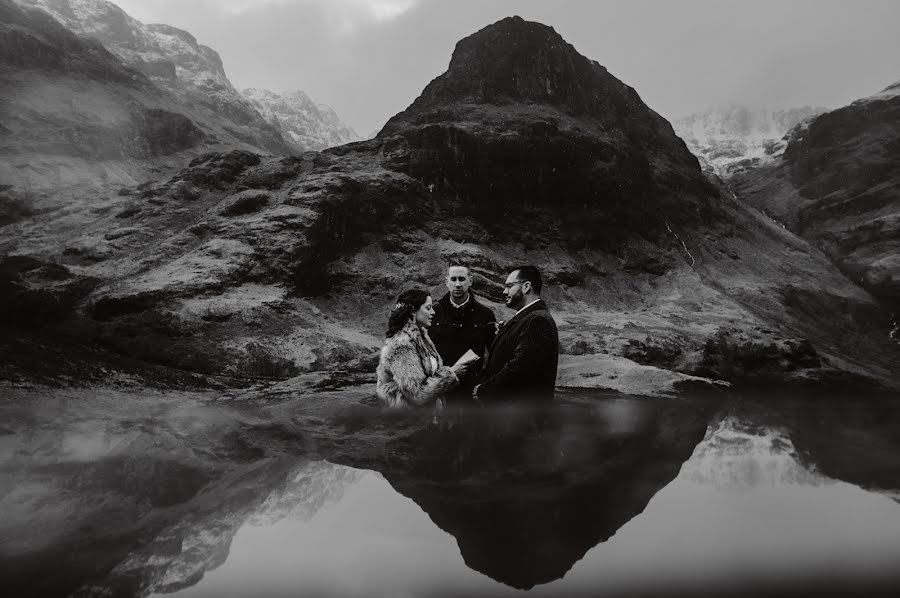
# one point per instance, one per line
(173, 59)
(308, 125)
(891, 91)
(145, 47)
(732, 137)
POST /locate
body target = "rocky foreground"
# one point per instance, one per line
(252, 267)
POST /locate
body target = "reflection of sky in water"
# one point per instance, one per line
(742, 507)
(373, 542)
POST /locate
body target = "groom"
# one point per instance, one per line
(523, 358)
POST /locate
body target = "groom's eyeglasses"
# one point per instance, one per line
(510, 285)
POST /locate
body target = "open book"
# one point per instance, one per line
(468, 357)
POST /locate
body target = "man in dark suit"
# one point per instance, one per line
(523, 357)
(461, 323)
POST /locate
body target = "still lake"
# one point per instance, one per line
(111, 493)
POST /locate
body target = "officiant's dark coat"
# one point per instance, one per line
(523, 359)
(455, 330)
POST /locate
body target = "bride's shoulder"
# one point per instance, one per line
(399, 341)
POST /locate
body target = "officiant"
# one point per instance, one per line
(462, 324)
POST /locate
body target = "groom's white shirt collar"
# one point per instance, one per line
(526, 307)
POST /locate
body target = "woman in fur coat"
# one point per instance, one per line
(410, 371)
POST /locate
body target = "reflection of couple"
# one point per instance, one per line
(521, 356)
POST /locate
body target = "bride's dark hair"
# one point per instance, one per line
(408, 303)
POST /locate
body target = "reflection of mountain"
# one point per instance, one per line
(738, 454)
(857, 441)
(804, 443)
(748, 506)
(180, 555)
(308, 489)
(527, 494)
(131, 502)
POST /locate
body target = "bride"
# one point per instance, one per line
(410, 371)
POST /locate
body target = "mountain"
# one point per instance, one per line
(838, 185)
(729, 139)
(305, 124)
(173, 60)
(179, 555)
(502, 134)
(78, 127)
(523, 510)
(522, 151)
(74, 117)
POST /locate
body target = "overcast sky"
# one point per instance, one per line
(368, 59)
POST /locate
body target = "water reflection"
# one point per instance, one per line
(742, 510)
(598, 494)
(745, 514)
(526, 492)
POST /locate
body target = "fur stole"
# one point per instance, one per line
(406, 373)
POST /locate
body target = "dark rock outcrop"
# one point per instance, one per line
(167, 132)
(36, 294)
(13, 207)
(522, 128)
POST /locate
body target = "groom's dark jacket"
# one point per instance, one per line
(523, 358)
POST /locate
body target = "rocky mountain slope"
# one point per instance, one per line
(74, 117)
(173, 60)
(523, 151)
(730, 139)
(305, 124)
(838, 184)
(78, 127)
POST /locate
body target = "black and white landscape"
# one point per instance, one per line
(195, 280)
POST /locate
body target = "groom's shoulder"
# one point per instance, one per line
(539, 312)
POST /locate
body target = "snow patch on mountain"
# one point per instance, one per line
(733, 138)
(138, 44)
(308, 125)
(891, 91)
